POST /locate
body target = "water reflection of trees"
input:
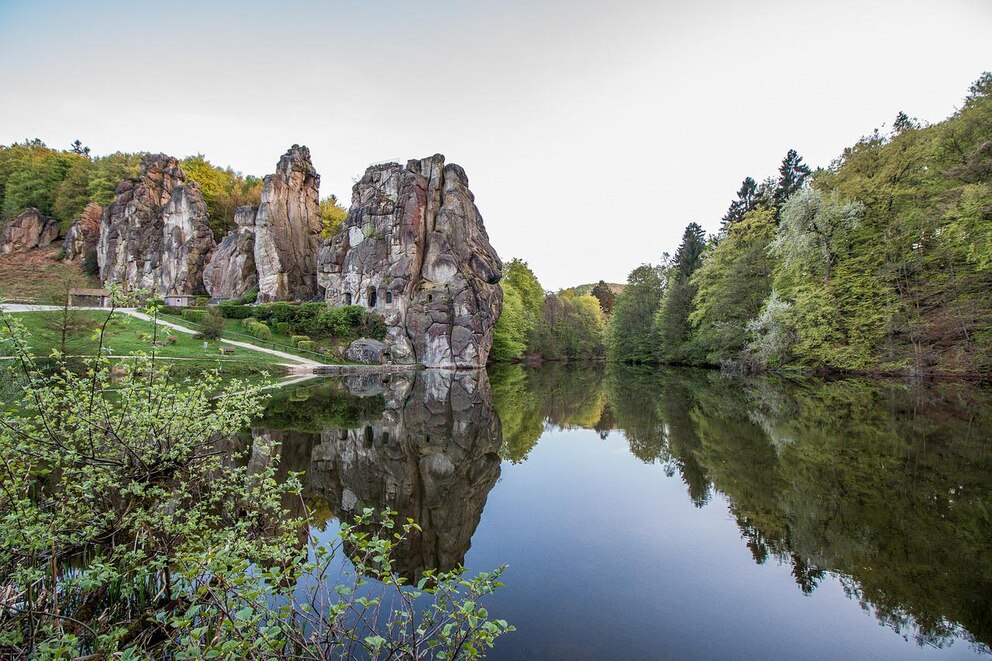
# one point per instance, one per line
(422, 444)
(886, 484)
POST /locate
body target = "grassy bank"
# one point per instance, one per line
(126, 335)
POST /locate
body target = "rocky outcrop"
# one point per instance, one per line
(287, 230)
(30, 229)
(364, 350)
(414, 249)
(84, 233)
(231, 272)
(155, 235)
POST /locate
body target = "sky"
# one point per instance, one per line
(592, 132)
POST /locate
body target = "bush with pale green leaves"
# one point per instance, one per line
(132, 527)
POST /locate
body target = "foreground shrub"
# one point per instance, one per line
(306, 345)
(131, 529)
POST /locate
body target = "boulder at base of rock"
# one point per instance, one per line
(155, 235)
(364, 350)
(30, 229)
(84, 233)
(231, 272)
(414, 250)
(287, 230)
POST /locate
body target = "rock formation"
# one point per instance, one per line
(84, 233)
(414, 249)
(432, 455)
(231, 272)
(30, 229)
(287, 230)
(155, 235)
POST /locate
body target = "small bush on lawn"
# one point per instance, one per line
(281, 327)
(306, 345)
(212, 325)
(257, 329)
(296, 339)
(194, 315)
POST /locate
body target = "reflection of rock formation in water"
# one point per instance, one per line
(432, 455)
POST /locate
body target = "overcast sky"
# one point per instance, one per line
(592, 132)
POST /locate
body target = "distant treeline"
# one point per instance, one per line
(60, 183)
(880, 262)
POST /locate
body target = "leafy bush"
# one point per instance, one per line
(235, 311)
(212, 324)
(281, 327)
(171, 309)
(194, 315)
(296, 339)
(257, 329)
(184, 552)
(306, 345)
(376, 327)
(200, 302)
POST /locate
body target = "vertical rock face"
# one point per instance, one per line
(231, 272)
(156, 235)
(30, 229)
(287, 230)
(84, 233)
(415, 250)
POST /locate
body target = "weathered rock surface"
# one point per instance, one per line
(364, 350)
(84, 233)
(415, 250)
(156, 235)
(231, 271)
(30, 229)
(287, 230)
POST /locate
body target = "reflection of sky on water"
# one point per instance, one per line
(608, 555)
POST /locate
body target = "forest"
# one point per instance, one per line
(61, 182)
(880, 262)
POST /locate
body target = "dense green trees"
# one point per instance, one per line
(731, 287)
(224, 190)
(631, 336)
(563, 326)
(881, 262)
(672, 319)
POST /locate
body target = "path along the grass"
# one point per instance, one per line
(293, 362)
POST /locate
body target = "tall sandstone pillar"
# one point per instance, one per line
(287, 230)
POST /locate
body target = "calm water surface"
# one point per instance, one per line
(676, 513)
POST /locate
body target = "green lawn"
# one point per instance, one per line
(233, 330)
(126, 335)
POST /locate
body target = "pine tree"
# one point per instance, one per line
(746, 201)
(792, 175)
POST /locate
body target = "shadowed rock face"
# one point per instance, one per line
(287, 230)
(414, 248)
(31, 229)
(431, 455)
(231, 272)
(156, 235)
(84, 233)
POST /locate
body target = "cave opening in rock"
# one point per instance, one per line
(371, 297)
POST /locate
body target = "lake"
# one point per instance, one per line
(672, 513)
